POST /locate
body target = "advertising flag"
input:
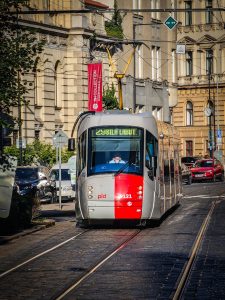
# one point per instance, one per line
(95, 87)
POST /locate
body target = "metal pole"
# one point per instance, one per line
(60, 177)
(134, 79)
(210, 117)
(217, 111)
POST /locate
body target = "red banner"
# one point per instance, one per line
(95, 87)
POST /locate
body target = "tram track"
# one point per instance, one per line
(41, 254)
(31, 265)
(186, 273)
(96, 266)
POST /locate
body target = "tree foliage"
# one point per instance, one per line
(38, 153)
(18, 49)
(114, 27)
(109, 98)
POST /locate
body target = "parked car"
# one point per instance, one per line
(207, 169)
(67, 181)
(189, 161)
(35, 180)
(186, 174)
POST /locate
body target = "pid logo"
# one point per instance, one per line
(101, 196)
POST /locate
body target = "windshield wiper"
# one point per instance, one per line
(124, 166)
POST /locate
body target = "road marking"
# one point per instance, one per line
(203, 196)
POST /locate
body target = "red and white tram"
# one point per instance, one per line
(144, 185)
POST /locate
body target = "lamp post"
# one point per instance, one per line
(210, 115)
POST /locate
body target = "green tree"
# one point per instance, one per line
(109, 98)
(39, 153)
(114, 27)
(18, 50)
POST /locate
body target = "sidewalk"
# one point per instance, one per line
(48, 214)
(54, 210)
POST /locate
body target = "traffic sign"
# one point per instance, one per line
(21, 143)
(170, 22)
(60, 139)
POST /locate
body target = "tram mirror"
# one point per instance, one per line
(71, 144)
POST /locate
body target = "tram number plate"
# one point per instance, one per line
(199, 175)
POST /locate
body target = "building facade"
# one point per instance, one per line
(59, 81)
(199, 114)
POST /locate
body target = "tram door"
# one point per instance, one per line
(151, 174)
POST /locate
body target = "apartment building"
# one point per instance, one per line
(150, 83)
(59, 81)
(199, 114)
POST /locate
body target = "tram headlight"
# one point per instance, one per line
(140, 188)
(90, 192)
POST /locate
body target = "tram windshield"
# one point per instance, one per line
(112, 147)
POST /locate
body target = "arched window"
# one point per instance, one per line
(38, 82)
(189, 113)
(58, 85)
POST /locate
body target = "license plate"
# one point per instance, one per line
(199, 175)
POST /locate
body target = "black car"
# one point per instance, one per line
(35, 181)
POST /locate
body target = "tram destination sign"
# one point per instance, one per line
(125, 132)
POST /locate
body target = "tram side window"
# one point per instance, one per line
(82, 152)
(151, 152)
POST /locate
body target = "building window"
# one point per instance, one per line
(158, 63)
(153, 63)
(136, 4)
(189, 63)
(153, 6)
(189, 114)
(208, 13)
(37, 135)
(139, 63)
(209, 61)
(58, 85)
(15, 136)
(189, 148)
(173, 66)
(188, 13)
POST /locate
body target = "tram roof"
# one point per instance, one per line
(125, 117)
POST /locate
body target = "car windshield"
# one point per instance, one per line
(204, 163)
(26, 174)
(64, 174)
